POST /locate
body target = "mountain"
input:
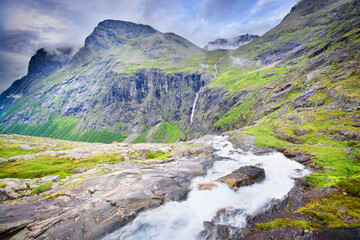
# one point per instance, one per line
(133, 83)
(295, 89)
(230, 43)
(127, 79)
(42, 64)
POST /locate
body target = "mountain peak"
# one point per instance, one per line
(48, 60)
(230, 43)
(306, 7)
(114, 32)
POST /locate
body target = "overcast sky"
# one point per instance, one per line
(27, 25)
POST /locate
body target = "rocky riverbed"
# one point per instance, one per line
(97, 201)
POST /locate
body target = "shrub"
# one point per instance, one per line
(41, 188)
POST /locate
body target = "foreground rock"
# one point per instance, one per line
(98, 200)
(244, 176)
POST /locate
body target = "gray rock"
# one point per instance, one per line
(244, 176)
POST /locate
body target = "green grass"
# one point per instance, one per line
(166, 132)
(62, 129)
(238, 112)
(42, 188)
(47, 165)
(335, 211)
(142, 137)
(288, 223)
(157, 155)
(6, 152)
(264, 136)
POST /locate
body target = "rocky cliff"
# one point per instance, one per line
(130, 82)
(126, 80)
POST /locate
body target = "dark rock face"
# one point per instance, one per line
(44, 63)
(214, 230)
(244, 176)
(302, 100)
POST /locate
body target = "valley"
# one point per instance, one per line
(130, 123)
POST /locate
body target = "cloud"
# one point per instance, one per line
(27, 25)
(18, 41)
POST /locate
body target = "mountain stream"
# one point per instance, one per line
(185, 220)
(193, 108)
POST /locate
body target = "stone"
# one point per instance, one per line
(206, 186)
(300, 131)
(50, 179)
(79, 170)
(243, 176)
(302, 159)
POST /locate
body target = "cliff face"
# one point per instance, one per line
(127, 79)
(130, 82)
(44, 63)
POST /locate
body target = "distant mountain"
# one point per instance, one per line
(132, 83)
(230, 43)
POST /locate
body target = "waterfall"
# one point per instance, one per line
(193, 108)
(184, 220)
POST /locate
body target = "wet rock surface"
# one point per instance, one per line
(243, 176)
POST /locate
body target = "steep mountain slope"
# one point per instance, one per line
(42, 64)
(132, 82)
(230, 43)
(297, 89)
(127, 79)
(314, 55)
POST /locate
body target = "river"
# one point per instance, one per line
(185, 220)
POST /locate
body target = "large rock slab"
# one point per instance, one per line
(100, 199)
(243, 176)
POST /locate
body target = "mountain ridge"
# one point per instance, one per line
(296, 90)
(155, 61)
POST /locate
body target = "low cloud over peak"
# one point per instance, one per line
(28, 25)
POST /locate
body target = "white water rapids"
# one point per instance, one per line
(193, 108)
(184, 220)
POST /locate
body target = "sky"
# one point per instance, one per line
(28, 25)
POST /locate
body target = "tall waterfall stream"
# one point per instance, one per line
(184, 220)
(193, 108)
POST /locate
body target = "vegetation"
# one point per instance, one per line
(6, 152)
(42, 188)
(46, 165)
(164, 132)
(157, 155)
(288, 223)
(62, 129)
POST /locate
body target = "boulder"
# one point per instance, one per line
(243, 176)
(206, 186)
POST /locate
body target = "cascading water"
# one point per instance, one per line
(193, 108)
(184, 220)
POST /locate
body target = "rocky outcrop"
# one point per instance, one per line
(100, 199)
(243, 176)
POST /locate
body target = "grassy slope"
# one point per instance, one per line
(53, 164)
(317, 129)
